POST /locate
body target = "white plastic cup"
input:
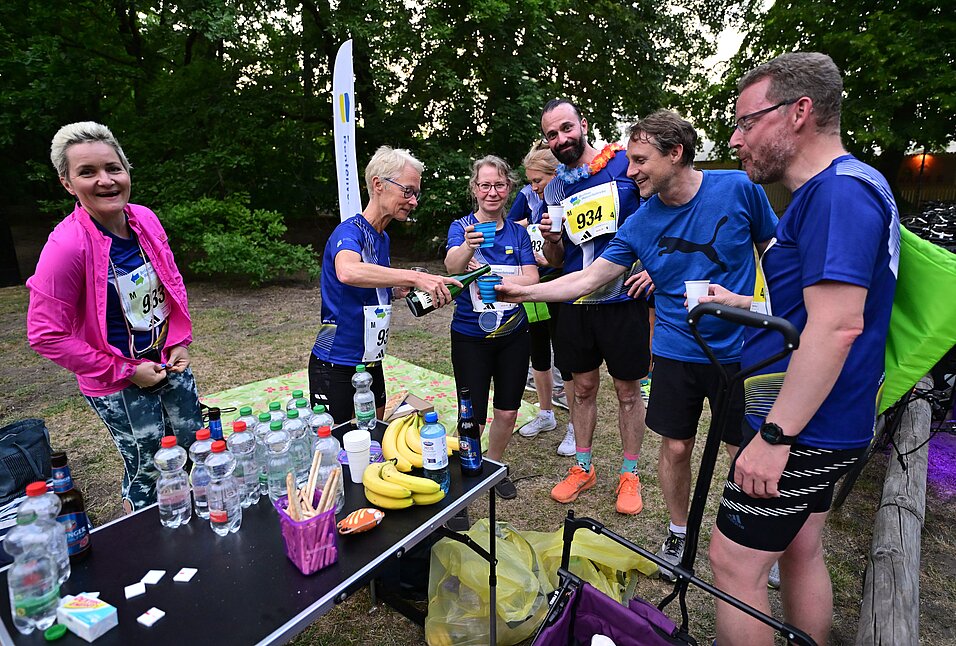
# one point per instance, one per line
(357, 445)
(695, 289)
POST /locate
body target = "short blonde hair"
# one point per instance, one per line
(388, 163)
(540, 158)
(498, 164)
(82, 132)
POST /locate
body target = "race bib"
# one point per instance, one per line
(377, 320)
(537, 240)
(761, 301)
(497, 306)
(143, 298)
(591, 213)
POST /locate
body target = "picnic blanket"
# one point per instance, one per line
(433, 387)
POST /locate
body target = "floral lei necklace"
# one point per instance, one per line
(572, 175)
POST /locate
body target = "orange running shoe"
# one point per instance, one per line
(628, 494)
(577, 480)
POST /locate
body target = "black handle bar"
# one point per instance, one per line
(750, 319)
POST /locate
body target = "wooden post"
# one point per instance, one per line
(890, 611)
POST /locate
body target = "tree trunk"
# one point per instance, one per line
(9, 268)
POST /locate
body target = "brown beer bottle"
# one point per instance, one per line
(73, 513)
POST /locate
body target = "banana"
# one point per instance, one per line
(452, 443)
(428, 498)
(402, 445)
(390, 446)
(388, 503)
(413, 438)
(372, 479)
(413, 483)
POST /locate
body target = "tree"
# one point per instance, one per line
(897, 64)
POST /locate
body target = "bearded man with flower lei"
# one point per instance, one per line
(588, 201)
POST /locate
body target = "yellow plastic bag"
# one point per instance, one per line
(459, 597)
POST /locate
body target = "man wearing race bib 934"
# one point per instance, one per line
(357, 283)
(588, 200)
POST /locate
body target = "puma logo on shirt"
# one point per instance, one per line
(669, 244)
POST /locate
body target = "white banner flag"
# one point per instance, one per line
(343, 116)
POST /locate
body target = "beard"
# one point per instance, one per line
(570, 153)
(771, 162)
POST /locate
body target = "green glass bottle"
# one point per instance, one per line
(421, 302)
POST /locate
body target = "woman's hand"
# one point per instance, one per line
(719, 294)
(148, 374)
(178, 359)
(437, 286)
(473, 239)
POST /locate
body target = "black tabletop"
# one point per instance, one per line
(246, 590)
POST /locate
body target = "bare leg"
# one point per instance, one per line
(805, 581)
(502, 426)
(741, 572)
(543, 384)
(673, 469)
(584, 413)
(630, 414)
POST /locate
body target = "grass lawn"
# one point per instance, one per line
(243, 335)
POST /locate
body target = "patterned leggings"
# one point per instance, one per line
(138, 420)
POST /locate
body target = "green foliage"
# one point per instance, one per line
(227, 238)
(897, 63)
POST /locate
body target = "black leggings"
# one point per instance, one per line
(478, 360)
(330, 384)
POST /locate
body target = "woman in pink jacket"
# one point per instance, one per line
(108, 304)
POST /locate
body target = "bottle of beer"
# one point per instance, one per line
(73, 513)
(469, 436)
(421, 302)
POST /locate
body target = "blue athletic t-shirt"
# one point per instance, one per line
(577, 257)
(710, 238)
(125, 257)
(341, 337)
(512, 248)
(524, 206)
(842, 225)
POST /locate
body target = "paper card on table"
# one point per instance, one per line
(185, 574)
(150, 617)
(153, 577)
(135, 590)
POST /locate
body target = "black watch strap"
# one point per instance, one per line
(773, 434)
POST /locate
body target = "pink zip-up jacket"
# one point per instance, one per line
(66, 322)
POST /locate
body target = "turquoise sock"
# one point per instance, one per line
(630, 463)
(583, 457)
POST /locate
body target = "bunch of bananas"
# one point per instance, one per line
(388, 488)
(403, 442)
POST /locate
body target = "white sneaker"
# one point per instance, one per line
(543, 421)
(568, 447)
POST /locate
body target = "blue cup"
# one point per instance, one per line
(487, 230)
(486, 288)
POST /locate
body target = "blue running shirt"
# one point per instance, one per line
(843, 226)
(712, 238)
(341, 337)
(512, 250)
(579, 256)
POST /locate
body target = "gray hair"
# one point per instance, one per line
(82, 132)
(800, 74)
(388, 162)
(540, 158)
(665, 130)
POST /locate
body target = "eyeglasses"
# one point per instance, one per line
(407, 191)
(500, 187)
(746, 122)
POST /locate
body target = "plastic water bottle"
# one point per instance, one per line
(435, 451)
(305, 413)
(32, 579)
(46, 506)
(172, 487)
(291, 403)
(242, 444)
(320, 417)
(363, 399)
(262, 429)
(328, 447)
(225, 507)
(245, 415)
(276, 412)
(280, 460)
(199, 477)
(300, 447)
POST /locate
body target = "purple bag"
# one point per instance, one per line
(589, 612)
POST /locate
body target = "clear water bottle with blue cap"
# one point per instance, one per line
(435, 451)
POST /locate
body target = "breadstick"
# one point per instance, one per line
(330, 499)
(325, 493)
(292, 508)
(313, 476)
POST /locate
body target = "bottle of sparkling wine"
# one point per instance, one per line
(421, 302)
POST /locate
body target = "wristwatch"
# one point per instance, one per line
(773, 434)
